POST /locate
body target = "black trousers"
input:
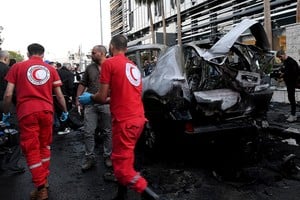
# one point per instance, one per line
(58, 111)
(292, 98)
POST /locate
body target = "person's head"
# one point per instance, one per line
(4, 57)
(281, 55)
(77, 67)
(99, 54)
(35, 49)
(53, 64)
(58, 65)
(12, 61)
(118, 44)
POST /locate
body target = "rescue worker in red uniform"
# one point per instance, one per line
(121, 85)
(34, 81)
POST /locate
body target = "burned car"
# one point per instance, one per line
(206, 86)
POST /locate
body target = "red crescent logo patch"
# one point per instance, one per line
(133, 74)
(38, 74)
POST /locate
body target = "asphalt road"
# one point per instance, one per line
(219, 169)
(66, 180)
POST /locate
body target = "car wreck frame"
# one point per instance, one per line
(208, 86)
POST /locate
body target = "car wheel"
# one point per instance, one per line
(150, 136)
(149, 140)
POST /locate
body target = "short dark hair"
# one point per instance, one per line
(12, 61)
(101, 48)
(58, 65)
(280, 53)
(35, 49)
(119, 42)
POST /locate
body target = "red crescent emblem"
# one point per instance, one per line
(38, 74)
(132, 74)
(34, 74)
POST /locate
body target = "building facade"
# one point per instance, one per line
(200, 19)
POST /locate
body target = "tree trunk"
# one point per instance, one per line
(267, 22)
(179, 39)
(151, 24)
(164, 22)
(298, 12)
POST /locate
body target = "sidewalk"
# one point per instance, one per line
(280, 95)
(278, 110)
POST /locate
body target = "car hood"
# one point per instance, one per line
(217, 54)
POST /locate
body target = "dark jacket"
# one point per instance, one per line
(3, 83)
(291, 72)
(67, 79)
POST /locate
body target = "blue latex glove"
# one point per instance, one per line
(5, 118)
(85, 98)
(64, 116)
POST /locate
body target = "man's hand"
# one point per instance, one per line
(5, 118)
(64, 116)
(85, 98)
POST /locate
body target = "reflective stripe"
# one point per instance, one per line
(57, 82)
(135, 179)
(35, 165)
(45, 159)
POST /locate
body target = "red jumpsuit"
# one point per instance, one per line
(34, 81)
(127, 111)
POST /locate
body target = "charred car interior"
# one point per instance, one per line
(207, 86)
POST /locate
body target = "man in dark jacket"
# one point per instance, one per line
(4, 61)
(67, 79)
(290, 76)
(8, 161)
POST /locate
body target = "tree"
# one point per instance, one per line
(148, 3)
(15, 55)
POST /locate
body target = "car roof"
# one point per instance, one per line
(145, 46)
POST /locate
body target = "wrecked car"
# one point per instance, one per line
(206, 86)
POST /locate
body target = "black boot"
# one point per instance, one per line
(148, 194)
(122, 193)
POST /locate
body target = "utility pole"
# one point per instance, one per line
(101, 29)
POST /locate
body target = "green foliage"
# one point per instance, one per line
(15, 55)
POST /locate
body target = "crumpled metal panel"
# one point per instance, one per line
(220, 88)
(168, 73)
(222, 47)
(248, 79)
(226, 97)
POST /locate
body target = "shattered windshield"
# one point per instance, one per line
(145, 59)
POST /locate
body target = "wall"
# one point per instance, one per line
(293, 41)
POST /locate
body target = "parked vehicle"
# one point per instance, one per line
(205, 86)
